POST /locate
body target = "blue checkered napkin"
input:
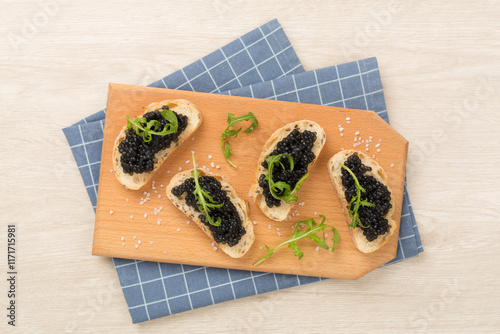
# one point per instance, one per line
(355, 85)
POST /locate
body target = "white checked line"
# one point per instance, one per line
(293, 69)
(402, 250)
(340, 84)
(362, 84)
(245, 48)
(164, 288)
(142, 290)
(157, 279)
(231, 282)
(276, 281)
(296, 90)
(164, 84)
(317, 85)
(89, 142)
(407, 237)
(232, 69)
(188, 81)
(405, 215)
(208, 282)
(274, 90)
(270, 48)
(86, 156)
(128, 264)
(187, 288)
(210, 74)
(201, 290)
(88, 165)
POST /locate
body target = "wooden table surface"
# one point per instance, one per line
(440, 70)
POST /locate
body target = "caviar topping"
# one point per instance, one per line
(370, 205)
(137, 155)
(230, 230)
(299, 146)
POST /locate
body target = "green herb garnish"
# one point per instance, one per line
(281, 190)
(357, 200)
(150, 128)
(234, 133)
(309, 233)
(203, 199)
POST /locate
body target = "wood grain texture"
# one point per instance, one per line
(440, 72)
(190, 245)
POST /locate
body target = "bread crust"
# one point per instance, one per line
(180, 106)
(335, 172)
(246, 240)
(280, 213)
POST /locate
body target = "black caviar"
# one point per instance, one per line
(138, 155)
(376, 193)
(298, 145)
(230, 230)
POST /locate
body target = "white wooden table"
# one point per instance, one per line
(440, 70)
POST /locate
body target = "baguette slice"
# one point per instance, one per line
(246, 240)
(184, 107)
(281, 212)
(335, 172)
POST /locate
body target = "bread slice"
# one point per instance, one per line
(246, 240)
(184, 107)
(335, 172)
(281, 212)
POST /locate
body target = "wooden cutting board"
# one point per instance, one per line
(124, 228)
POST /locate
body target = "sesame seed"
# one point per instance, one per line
(215, 249)
(269, 226)
(180, 168)
(378, 150)
(392, 165)
(139, 242)
(111, 212)
(168, 171)
(380, 140)
(158, 222)
(367, 145)
(250, 194)
(204, 167)
(144, 193)
(159, 196)
(126, 199)
(192, 152)
(367, 149)
(356, 133)
(187, 161)
(111, 170)
(297, 214)
(210, 156)
(122, 238)
(326, 235)
(123, 244)
(341, 129)
(315, 213)
(254, 222)
(156, 191)
(377, 145)
(218, 167)
(348, 118)
(188, 222)
(373, 156)
(164, 252)
(192, 138)
(279, 234)
(161, 185)
(212, 164)
(145, 215)
(150, 242)
(178, 229)
(341, 135)
(342, 149)
(131, 217)
(348, 122)
(339, 125)
(355, 138)
(277, 228)
(134, 237)
(136, 246)
(260, 247)
(317, 248)
(161, 208)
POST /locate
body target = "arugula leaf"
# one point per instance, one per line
(150, 128)
(228, 133)
(203, 199)
(281, 190)
(297, 235)
(356, 200)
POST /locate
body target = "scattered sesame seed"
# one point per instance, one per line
(254, 222)
(145, 215)
(156, 191)
(136, 246)
(158, 222)
(134, 237)
(380, 140)
(161, 208)
(367, 149)
(131, 217)
(348, 122)
(150, 242)
(269, 226)
(279, 234)
(378, 150)
(373, 156)
(178, 229)
(341, 129)
(377, 145)
(159, 196)
(180, 168)
(123, 244)
(277, 228)
(164, 252)
(342, 149)
(111, 170)
(192, 152)
(297, 214)
(212, 164)
(355, 138)
(326, 235)
(215, 249)
(260, 247)
(144, 193)
(111, 212)
(367, 145)
(218, 167)
(315, 213)
(204, 167)
(161, 185)
(210, 156)
(356, 133)
(348, 118)
(123, 238)
(139, 242)
(250, 194)
(168, 171)
(126, 199)
(192, 138)
(339, 125)
(317, 248)
(392, 165)
(341, 135)
(187, 161)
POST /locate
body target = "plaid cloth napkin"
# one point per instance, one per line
(154, 289)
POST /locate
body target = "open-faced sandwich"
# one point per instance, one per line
(361, 185)
(212, 203)
(283, 166)
(148, 140)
